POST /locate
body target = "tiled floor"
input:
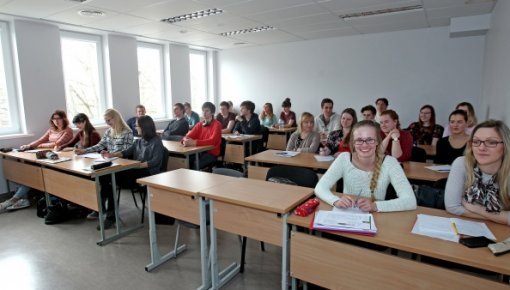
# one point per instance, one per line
(65, 256)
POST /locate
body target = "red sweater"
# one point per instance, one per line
(79, 137)
(406, 142)
(207, 135)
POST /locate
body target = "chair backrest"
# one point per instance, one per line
(299, 175)
(227, 172)
(173, 138)
(418, 154)
(164, 162)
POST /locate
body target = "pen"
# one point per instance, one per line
(454, 227)
(356, 200)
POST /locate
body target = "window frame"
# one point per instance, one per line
(207, 74)
(164, 93)
(98, 39)
(10, 82)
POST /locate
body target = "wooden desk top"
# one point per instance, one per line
(283, 130)
(429, 149)
(177, 148)
(258, 194)
(394, 230)
(240, 138)
(417, 171)
(184, 181)
(303, 159)
(77, 164)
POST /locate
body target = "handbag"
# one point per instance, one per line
(429, 196)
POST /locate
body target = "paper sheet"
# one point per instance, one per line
(321, 158)
(287, 153)
(439, 168)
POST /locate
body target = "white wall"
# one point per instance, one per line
(496, 80)
(410, 68)
(180, 73)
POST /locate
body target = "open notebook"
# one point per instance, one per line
(351, 221)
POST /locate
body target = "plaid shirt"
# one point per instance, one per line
(112, 143)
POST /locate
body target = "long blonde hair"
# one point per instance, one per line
(119, 125)
(270, 114)
(379, 155)
(504, 170)
(304, 117)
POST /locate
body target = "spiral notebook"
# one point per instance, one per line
(345, 221)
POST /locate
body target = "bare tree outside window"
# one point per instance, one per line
(151, 78)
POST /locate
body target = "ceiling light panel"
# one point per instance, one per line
(247, 30)
(387, 11)
(193, 15)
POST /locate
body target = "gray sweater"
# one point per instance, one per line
(309, 144)
(147, 151)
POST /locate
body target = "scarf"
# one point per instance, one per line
(486, 194)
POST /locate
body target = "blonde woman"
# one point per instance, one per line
(305, 139)
(267, 117)
(366, 174)
(477, 185)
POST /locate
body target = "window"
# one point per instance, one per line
(151, 78)
(9, 114)
(198, 77)
(83, 74)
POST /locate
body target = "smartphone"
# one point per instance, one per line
(476, 242)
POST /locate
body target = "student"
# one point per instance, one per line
(226, 118)
(477, 185)
(471, 123)
(57, 135)
(178, 127)
(382, 105)
(337, 141)
(191, 116)
(287, 116)
(368, 112)
(247, 121)
(267, 117)
(140, 111)
(305, 139)
(86, 137)
(453, 146)
(207, 132)
(426, 131)
(328, 121)
(396, 142)
(118, 137)
(148, 150)
(366, 173)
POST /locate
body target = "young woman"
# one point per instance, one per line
(305, 139)
(267, 117)
(57, 135)
(366, 173)
(337, 141)
(86, 137)
(477, 185)
(288, 117)
(471, 122)
(395, 142)
(426, 131)
(226, 118)
(117, 138)
(451, 147)
(148, 150)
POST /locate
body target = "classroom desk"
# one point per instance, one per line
(278, 138)
(70, 180)
(303, 159)
(255, 209)
(235, 153)
(333, 264)
(175, 193)
(175, 147)
(417, 171)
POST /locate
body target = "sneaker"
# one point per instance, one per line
(21, 203)
(93, 215)
(108, 224)
(4, 205)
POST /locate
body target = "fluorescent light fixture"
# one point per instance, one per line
(247, 30)
(91, 13)
(193, 15)
(381, 12)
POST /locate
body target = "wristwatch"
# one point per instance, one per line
(395, 139)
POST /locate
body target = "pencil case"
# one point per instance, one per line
(101, 165)
(307, 207)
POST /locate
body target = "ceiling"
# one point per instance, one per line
(293, 20)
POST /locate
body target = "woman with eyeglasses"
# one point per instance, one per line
(425, 130)
(366, 174)
(57, 135)
(86, 137)
(477, 185)
(453, 146)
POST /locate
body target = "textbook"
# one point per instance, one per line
(345, 221)
(439, 168)
(449, 229)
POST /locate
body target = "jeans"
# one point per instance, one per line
(21, 192)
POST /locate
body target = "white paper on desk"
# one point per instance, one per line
(344, 221)
(348, 210)
(435, 227)
(439, 168)
(321, 158)
(473, 229)
(98, 157)
(287, 153)
(52, 161)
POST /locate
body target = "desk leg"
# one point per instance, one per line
(204, 256)
(197, 163)
(218, 280)
(100, 211)
(285, 251)
(156, 258)
(115, 203)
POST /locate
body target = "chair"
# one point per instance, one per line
(418, 154)
(173, 138)
(299, 175)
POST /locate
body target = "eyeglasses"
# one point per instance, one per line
(56, 119)
(369, 141)
(488, 143)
